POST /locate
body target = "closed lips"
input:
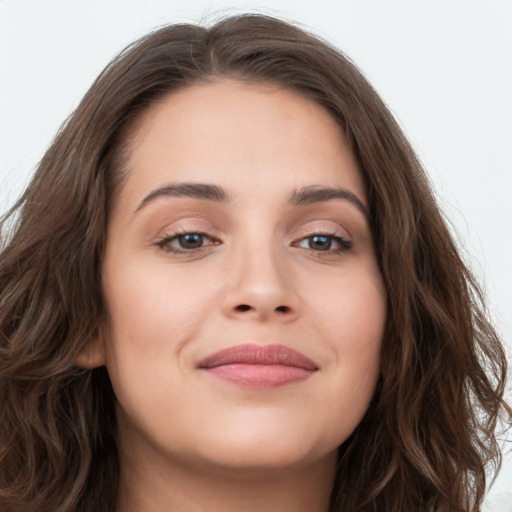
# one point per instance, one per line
(251, 354)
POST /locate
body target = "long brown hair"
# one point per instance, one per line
(429, 434)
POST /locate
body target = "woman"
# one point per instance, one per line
(228, 287)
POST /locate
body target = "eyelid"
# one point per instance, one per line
(164, 242)
(338, 234)
(344, 243)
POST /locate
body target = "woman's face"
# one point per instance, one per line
(246, 304)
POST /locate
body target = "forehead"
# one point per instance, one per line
(239, 135)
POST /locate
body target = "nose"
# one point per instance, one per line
(261, 287)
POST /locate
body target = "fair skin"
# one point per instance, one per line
(265, 262)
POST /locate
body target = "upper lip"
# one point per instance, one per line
(258, 355)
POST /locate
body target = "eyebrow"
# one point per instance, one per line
(314, 194)
(304, 196)
(195, 190)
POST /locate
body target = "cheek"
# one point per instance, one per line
(152, 316)
(351, 319)
(147, 300)
(351, 311)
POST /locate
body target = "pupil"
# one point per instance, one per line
(191, 241)
(322, 243)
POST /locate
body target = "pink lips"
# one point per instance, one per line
(259, 366)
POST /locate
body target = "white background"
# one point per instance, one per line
(444, 67)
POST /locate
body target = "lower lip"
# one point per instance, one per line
(260, 375)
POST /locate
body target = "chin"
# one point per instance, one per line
(268, 449)
(251, 461)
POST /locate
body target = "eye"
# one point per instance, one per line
(190, 240)
(324, 243)
(185, 242)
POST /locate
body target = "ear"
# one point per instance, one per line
(93, 355)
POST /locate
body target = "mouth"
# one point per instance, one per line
(259, 366)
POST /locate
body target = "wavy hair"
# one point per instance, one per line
(427, 439)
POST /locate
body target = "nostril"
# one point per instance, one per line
(242, 308)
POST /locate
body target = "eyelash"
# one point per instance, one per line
(343, 243)
(165, 243)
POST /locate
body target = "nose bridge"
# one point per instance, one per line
(260, 282)
(261, 268)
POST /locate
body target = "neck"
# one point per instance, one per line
(154, 485)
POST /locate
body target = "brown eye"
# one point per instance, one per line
(319, 243)
(190, 241)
